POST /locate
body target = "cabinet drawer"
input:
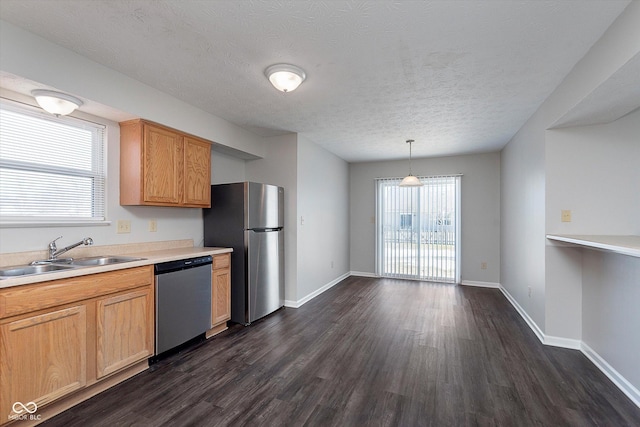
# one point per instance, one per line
(221, 261)
(27, 298)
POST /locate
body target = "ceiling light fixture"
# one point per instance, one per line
(410, 180)
(56, 103)
(285, 77)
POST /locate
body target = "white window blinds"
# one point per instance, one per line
(51, 168)
(418, 229)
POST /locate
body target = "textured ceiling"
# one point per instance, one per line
(456, 76)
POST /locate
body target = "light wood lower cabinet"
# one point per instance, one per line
(220, 293)
(43, 357)
(124, 330)
(61, 339)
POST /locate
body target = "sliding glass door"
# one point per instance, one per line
(418, 229)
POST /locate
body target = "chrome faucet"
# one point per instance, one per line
(54, 252)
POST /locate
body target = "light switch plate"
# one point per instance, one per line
(566, 216)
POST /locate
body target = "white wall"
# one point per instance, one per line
(524, 182)
(595, 172)
(592, 171)
(480, 209)
(523, 213)
(579, 296)
(323, 204)
(226, 169)
(316, 187)
(611, 292)
(173, 223)
(278, 167)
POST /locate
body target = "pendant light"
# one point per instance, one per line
(57, 103)
(410, 180)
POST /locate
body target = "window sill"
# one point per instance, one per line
(37, 224)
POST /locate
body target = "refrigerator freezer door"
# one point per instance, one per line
(266, 272)
(265, 206)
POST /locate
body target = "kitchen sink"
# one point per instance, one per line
(102, 260)
(51, 266)
(28, 270)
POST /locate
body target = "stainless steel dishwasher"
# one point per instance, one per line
(183, 301)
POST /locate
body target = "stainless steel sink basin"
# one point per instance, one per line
(102, 260)
(28, 270)
(50, 266)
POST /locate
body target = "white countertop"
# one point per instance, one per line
(150, 258)
(625, 245)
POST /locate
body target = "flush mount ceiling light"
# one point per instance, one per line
(410, 180)
(285, 77)
(56, 103)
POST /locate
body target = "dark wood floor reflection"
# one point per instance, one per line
(370, 352)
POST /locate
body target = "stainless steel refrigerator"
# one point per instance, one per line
(249, 217)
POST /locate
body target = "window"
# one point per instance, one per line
(405, 221)
(51, 168)
(418, 229)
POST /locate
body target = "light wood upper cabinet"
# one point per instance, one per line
(160, 166)
(197, 172)
(42, 357)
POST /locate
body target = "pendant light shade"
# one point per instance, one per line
(410, 180)
(57, 103)
(285, 77)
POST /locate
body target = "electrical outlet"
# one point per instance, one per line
(483, 265)
(565, 215)
(301, 220)
(124, 226)
(153, 225)
(529, 291)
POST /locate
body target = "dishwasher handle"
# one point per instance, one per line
(182, 264)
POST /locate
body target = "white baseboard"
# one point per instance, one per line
(621, 382)
(571, 343)
(362, 274)
(534, 327)
(307, 298)
(480, 284)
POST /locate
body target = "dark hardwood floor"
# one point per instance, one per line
(370, 352)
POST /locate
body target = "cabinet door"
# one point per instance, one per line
(220, 294)
(124, 330)
(197, 172)
(42, 357)
(163, 165)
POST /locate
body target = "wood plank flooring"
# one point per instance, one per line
(370, 352)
